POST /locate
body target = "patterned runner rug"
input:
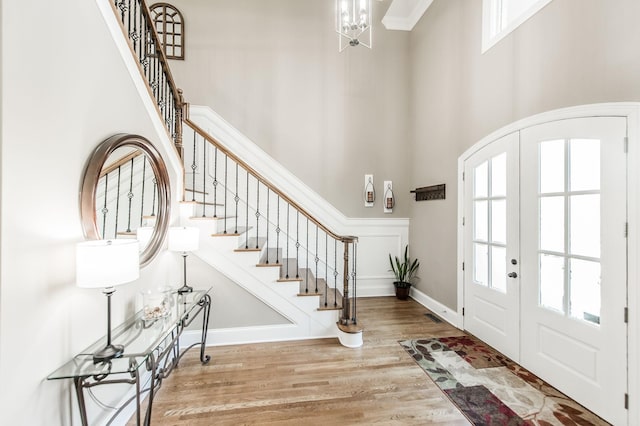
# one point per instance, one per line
(490, 389)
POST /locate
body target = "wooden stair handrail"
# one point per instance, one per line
(267, 183)
(121, 162)
(177, 93)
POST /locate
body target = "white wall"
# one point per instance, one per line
(572, 52)
(273, 70)
(64, 90)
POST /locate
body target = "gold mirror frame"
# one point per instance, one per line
(89, 188)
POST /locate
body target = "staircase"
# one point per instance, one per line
(250, 230)
(277, 246)
(267, 274)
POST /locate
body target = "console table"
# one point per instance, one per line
(149, 346)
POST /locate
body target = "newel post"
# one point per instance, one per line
(346, 308)
(349, 331)
(349, 316)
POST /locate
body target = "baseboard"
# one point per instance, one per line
(256, 334)
(375, 287)
(452, 317)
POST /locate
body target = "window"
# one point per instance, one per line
(500, 17)
(170, 28)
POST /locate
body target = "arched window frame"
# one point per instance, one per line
(169, 25)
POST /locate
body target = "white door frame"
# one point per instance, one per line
(631, 111)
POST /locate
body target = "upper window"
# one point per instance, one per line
(170, 28)
(500, 17)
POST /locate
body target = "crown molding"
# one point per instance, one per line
(403, 15)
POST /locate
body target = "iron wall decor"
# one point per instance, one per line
(433, 192)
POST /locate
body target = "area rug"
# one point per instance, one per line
(490, 389)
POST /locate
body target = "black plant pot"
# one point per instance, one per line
(402, 290)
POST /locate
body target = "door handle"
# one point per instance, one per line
(512, 275)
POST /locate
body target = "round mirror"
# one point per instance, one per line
(125, 194)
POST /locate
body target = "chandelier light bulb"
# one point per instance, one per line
(353, 23)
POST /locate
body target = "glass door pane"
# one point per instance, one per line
(569, 227)
(490, 222)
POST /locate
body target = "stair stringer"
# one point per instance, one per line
(307, 321)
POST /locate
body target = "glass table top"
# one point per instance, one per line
(141, 335)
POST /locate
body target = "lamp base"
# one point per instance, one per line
(185, 289)
(109, 352)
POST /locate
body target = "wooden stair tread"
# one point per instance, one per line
(271, 258)
(253, 244)
(205, 203)
(197, 191)
(351, 328)
(330, 308)
(211, 218)
(289, 270)
(232, 232)
(305, 291)
(127, 234)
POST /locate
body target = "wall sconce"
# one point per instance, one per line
(389, 199)
(369, 191)
(106, 264)
(184, 239)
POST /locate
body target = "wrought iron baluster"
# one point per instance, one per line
(287, 237)
(155, 191)
(115, 231)
(133, 32)
(326, 268)
(225, 184)
(140, 43)
(278, 232)
(105, 210)
(157, 67)
(204, 177)
(128, 24)
(267, 242)
(246, 230)
(317, 259)
(215, 181)
(306, 279)
(257, 212)
(335, 273)
(236, 199)
(172, 110)
(123, 8)
(130, 196)
(297, 244)
(144, 178)
(194, 168)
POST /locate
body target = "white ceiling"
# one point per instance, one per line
(405, 14)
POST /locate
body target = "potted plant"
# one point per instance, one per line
(404, 271)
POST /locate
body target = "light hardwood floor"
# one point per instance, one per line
(315, 381)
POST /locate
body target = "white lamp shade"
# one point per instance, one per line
(183, 239)
(107, 263)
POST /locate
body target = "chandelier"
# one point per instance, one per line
(353, 23)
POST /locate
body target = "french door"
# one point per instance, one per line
(492, 291)
(559, 244)
(574, 268)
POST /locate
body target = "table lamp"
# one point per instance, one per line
(106, 264)
(183, 239)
